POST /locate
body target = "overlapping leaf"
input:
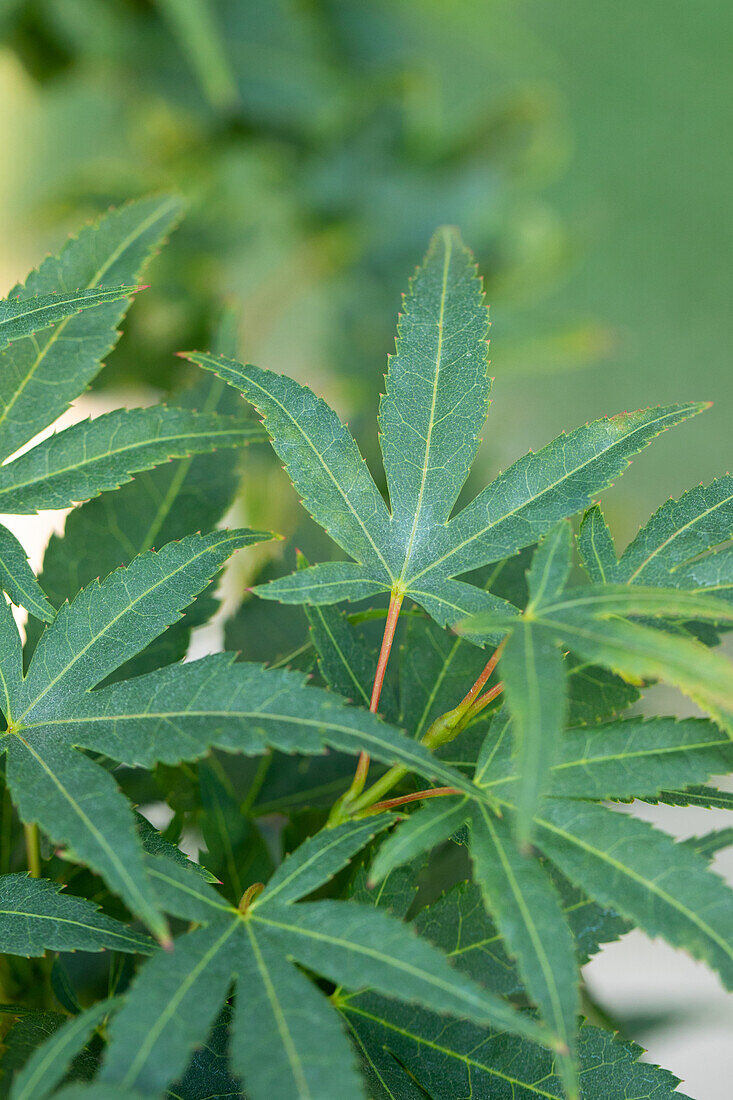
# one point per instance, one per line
(35, 917)
(434, 406)
(674, 548)
(596, 622)
(157, 507)
(409, 1053)
(20, 317)
(73, 799)
(42, 374)
(56, 350)
(280, 1020)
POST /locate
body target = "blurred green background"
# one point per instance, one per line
(580, 147)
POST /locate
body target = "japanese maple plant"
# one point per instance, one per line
(406, 818)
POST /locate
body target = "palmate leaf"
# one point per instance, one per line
(679, 531)
(666, 550)
(42, 374)
(27, 1036)
(434, 406)
(21, 317)
(179, 713)
(520, 897)
(595, 622)
(624, 864)
(35, 917)
(72, 798)
(280, 1020)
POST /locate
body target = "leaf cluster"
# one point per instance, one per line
(418, 929)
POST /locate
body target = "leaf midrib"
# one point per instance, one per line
(431, 423)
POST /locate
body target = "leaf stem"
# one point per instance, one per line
(483, 678)
(442, 730)
(33, 850)
(390, 803)
(395, 603)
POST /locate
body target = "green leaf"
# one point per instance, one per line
(665, 888)
(20, 317)
(47, 1066)
(436, 669)
(679, 530)
(357, 946)
(235, 849)
(436, 399)
(11, 659)
(534, 678)
(525, 501)
(711, 843)
(287, 1040)
(550, 567)
(78, 803)
(171, 1005)
(109, 621)
(178, 713)
(640, 653)
(18, 579)
(36, 917)
(202, 40)
(101, 454)
(322, 460)
(157, 507)
(320, 857)
(29, 1031)
(595, 544)
(521, 898)
(437, 391)
(605, 601)
(424, 829)
(411, 1053)
(74, 799)
(346, 663)
(448, 601)
(459, 924)
(156, 845)
(328, 582)
(708, 798)
(632, 758)
(175, 997)
(712, 574)
(42, 374)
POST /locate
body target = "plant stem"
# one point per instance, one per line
(395, 603)
(490, 666)
(390, 803)
(33, 850)
(487, 698)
